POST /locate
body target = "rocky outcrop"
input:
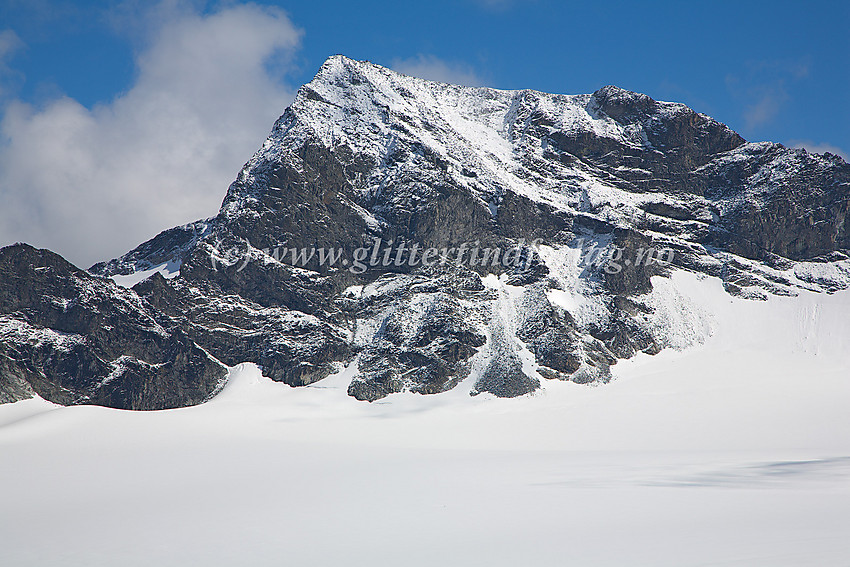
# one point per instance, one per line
(292, 346)
(418, 332)
(74, 338)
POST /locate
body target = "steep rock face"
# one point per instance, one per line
(594, 197)
(417, 332)
(776, 201)
(657, 143)
(292, 346)
(73, 338)
(168, 246)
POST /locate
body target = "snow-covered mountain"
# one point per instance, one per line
(598, 198)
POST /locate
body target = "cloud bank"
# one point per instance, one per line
(91, 183)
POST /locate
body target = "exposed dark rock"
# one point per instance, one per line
(168, 246)
(423, 338)
(290, 346)
(503, 375)
(78, 339)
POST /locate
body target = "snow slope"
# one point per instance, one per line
(733, 452)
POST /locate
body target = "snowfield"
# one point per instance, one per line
(732, 452)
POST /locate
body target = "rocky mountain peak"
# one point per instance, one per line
(598, 197)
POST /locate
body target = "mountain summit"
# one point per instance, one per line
(428, 235)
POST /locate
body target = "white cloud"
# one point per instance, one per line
(763, 88)
(818, 148)
(766, 106)
(435, 69)
(9, 44)
(93, 183)
(495, 5)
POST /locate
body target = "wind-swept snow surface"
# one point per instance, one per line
(732, 452)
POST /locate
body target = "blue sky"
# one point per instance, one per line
(100, 101)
